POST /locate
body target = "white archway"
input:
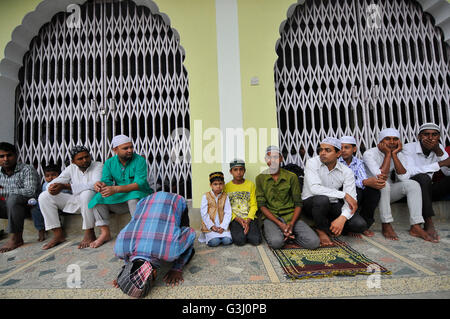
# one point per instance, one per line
(20, 44)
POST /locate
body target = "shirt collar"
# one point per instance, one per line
(419, 148)
(283, 174)
(18, 168)
(352, 163)
(338, 166)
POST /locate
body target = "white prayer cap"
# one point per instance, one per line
(348, 140)
(429, 126)
(272, 148)
(332, 141)
(388, 132)
(119, 140)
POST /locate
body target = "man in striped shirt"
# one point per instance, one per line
(367, 188)
(18, 183)
(159, 230)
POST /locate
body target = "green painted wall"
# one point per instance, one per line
(259, 22)
(12, 13)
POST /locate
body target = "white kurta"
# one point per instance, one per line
(206, 237)
(79, 181)
(82, 184)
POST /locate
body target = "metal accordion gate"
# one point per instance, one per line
(120, 71)
(355, 67)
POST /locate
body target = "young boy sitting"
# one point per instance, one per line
(216, 213)
(51, 172)
(242, 195)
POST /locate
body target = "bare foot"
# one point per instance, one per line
(173, 278)
(56, 240)
(356, 235)
(105, 236)
(368, 233)
(89, 237)
(15, 242)
(429, 228)
(115, 284)
(418, 232)
(324, 239)
(388, 232)
(41, 235)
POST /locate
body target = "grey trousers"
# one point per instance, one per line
(101, 211)
(304, 235)
(393, 192)
(14, 208)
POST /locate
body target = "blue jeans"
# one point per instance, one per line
(217, 241)
(38, 219)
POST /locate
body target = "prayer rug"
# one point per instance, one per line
(337, 260)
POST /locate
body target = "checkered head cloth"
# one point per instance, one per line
(136, 282)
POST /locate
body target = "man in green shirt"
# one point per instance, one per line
(279, 199)
(123, 184)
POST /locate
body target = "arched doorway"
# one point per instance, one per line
(119, 71)
(354, 67)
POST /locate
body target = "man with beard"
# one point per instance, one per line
(425, 157)
(123, 184)
(79, 177)
(388, 161)
(279, 200)
(18, 183)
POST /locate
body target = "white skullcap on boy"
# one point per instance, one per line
(348, 140)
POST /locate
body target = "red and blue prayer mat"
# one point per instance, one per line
(337, 260)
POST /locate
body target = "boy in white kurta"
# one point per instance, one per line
(216, 213)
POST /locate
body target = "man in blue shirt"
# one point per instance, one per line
(367, 188)
(159, 230)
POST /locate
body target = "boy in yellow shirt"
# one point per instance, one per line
(242, 194)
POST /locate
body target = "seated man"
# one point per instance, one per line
(159, 231)
(332, 210)
(388, 161)
(425, 157)
(367, 188)
(19, 182)
(79, 177)
(123, 184)
(279, 199)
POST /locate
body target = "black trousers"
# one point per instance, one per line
(368, 199)
(323, 213)
(15, 209)
(431, 191)
(239, 238)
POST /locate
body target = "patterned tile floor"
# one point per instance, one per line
(224, 272)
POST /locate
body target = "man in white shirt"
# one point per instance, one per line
(388, 161)
(425, 157)
(79, 177)
(332, 210)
